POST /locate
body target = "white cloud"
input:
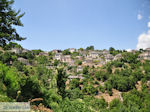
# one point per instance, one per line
(148, 24)
(144, 41)
(139, 16)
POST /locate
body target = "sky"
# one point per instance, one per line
(62, 24)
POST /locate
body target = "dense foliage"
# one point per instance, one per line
(22, 82)
(8, 18)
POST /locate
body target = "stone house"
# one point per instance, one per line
(16, 50)
(145, 56)
(79, 68)
(83, 53)
(56, 51)
(118, 56)
(88, 61)
(108, 57)
(66, 58)
(93, 54)
(71, 63)
(43, 54)
(147, 49)
(79, 57)
(58, 56)
(76, 77)
(25, 50)
(102, 62)
(24, 61)
(105, 52)
(99, 61)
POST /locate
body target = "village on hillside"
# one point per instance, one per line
(81, 71)
(79, 58)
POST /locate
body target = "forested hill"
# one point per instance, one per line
(76, 80)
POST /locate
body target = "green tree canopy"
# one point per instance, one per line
(66, 52)
(8, 18)
(90, 48)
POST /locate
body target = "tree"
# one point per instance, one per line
(9, 81)
(27, 55)
(114, 52)
(101, 88)
(74, 93)
(73, 106)
(37, 52)
(111, 49)
(18, 65)
(61, 80)
(108, 87)
(90, 90)
(116, 106)
(31, 89)
(79, 62)
(90, 48)
(56, 62)
(42, 59)
(8, 18)
(74, 84)
(6, 57)
(130, 58)
(12, 45)
(85, 70)
(99, 103)
(66, 52)
(81, 49)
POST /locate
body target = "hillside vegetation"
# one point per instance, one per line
(121, 85)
